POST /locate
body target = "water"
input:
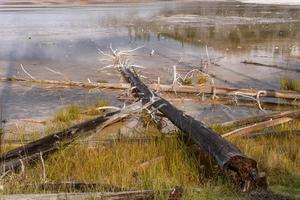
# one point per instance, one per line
(182, 34)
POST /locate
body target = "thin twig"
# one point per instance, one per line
(26, 72)
(56, 72)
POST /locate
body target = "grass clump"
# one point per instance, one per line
(287, 83)
(122, 165)
(201, 79)
(187, 81)
(73, 114)
(67, 114)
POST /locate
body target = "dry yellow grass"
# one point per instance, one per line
(287, 83)
(123, 164)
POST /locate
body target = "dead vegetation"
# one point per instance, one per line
(287, 83)
(121, 166)
(159, 165)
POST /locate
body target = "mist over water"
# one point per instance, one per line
(67, 40)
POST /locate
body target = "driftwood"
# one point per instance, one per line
(132, 195)
(15, 159)
(272, 66)
(255, 127)
(200, 89)
(240, 168)
(261, 118)
(267, 104)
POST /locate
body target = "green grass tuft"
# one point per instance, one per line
(67, 114)
(287, 83)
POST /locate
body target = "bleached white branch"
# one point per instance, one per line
(26, 72)
(56, 72)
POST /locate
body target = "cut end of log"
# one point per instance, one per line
(244, 173)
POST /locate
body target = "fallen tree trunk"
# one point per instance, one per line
(15, 159)
(240, 168)
(205, 89)
(133, 195)
(267, 105)
(261, 118)
(256, 127)
(272, 66)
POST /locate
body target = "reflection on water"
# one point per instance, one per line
(184, 34)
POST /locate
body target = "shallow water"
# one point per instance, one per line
(186, 35)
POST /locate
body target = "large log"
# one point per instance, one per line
(14, 159)
(271, 66)
(240, 168)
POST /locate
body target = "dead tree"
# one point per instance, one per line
(15, 159)
(240, 168)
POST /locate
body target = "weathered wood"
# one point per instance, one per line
(267, 104)
(272, 66)
(70, 83)
(206, 89)
(261, 118)
(129, 195)
(242, 169)
(14, 159)
(255, 127)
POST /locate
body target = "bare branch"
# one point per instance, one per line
(26, 72)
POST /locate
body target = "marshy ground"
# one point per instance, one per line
(212, 36)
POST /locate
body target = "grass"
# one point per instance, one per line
(287, 83)
(187, 81)
(278, 156)
(202, 79)
(199, 79)
(122, 164)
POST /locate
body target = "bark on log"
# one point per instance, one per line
(15, 158)
(169, 88)
(242, 169)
